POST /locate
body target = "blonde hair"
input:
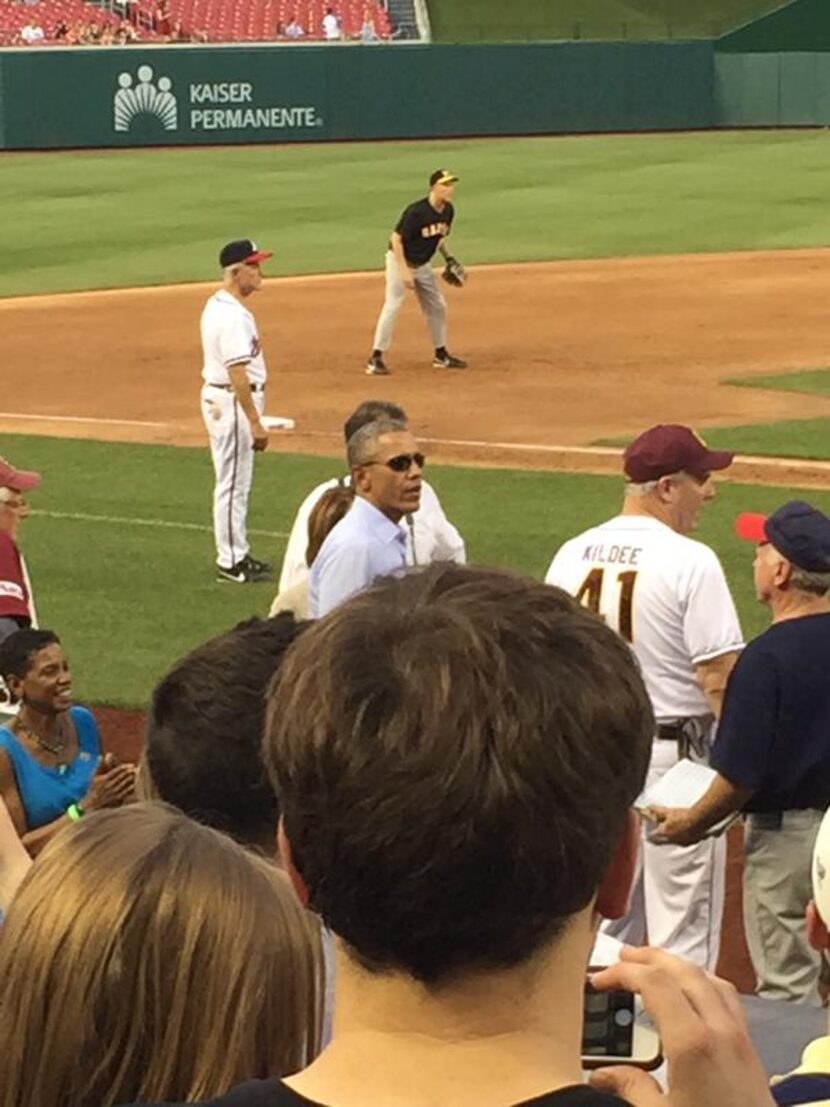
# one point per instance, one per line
(147, 957)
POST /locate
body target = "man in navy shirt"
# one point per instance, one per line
(772, 752)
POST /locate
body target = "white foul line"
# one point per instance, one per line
(81, 517)
(79, 419)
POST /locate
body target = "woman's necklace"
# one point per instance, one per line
(57, 749)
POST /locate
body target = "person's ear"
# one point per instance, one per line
(285, 856)
(15, 687)
(782, 572)
(817, 933)
(615, 888)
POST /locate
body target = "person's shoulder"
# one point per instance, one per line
(253, 1093)
(577, 1096)
(83, 715)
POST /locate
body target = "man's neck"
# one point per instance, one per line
(435, 203)
(791, 603)
(490, 1041)
(234, 291)
(391, 513)
(645, 505)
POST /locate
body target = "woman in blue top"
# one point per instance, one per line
(51, 767)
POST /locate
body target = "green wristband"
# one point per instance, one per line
(74, 812)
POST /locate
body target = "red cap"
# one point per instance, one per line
(671, 448)
(21, 480)
(797, 530)
(752, 527)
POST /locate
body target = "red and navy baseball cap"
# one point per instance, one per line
(242, 249)
(442, 176)
(798, 530)
(20, 480)
(671, 448)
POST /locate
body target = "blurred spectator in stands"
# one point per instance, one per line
(32, 34)
(367, 30)
(178, 34)
(294, 29)
(107, 35)
(204, 732)
(51, 768)
(17, 607)
(61, 31)
(148, 957)
(331, 26)
(325, 515)
(162, 19)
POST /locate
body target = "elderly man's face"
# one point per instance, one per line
(13, 509)
(392, 479)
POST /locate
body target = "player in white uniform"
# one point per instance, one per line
(233, 399)
(667, 595)
(430, 534)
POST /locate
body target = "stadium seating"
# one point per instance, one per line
(213, 20)
(256, 20)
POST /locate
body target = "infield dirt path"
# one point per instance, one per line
(560, 353)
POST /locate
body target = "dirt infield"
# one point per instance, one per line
(560, 353)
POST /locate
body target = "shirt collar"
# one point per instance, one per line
(379, 524)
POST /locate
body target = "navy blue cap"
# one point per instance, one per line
(798, 530)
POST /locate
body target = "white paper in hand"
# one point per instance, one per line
(682, 786)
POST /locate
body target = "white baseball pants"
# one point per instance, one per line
(430, 297)
(232, 450)
(678, 893)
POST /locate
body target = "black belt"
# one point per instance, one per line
(229, 387)
(689, 734)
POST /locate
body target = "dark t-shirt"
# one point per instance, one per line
(774, 733)
(273, 1093)
(421, 228)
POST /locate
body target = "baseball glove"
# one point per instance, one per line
(454, 272)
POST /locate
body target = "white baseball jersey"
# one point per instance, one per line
(664, 593)
(230, 336)
(430, 537)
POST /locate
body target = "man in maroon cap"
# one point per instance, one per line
(667, 595)
(772, 752)
(16, 605)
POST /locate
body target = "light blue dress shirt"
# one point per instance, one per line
(364, 545)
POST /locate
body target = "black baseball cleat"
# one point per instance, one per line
(246, 571)
(377, 367)
(445, 360)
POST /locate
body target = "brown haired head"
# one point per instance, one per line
(147, 957)
(456, 753)
(332, 506)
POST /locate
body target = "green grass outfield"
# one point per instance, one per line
(801, 438)
(121, 553)
(132, 217)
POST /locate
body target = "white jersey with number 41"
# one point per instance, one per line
(664, 593)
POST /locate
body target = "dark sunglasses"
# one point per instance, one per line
(402, 463)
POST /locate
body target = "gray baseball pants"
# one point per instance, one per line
(777, 888)
(430, 297)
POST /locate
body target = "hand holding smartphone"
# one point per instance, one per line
(616, 1031)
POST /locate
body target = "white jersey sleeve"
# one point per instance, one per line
(710, 621)
(434, 538)
(237, 339)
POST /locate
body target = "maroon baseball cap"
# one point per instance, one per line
(21, 480)
(671, 448)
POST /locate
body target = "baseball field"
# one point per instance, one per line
(614, 282)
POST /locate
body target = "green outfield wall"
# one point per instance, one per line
(802, 26)
(110, 97)
(790, 89)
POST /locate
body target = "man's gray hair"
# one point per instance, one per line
(645, 487)
(363, 445)
(7, 494)
(804, 580)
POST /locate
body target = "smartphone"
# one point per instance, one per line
(615, 1031)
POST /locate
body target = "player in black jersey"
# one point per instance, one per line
(419, 232)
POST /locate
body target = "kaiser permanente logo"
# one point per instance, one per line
(143, 95)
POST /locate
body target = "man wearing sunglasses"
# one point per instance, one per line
(386, 468)
(233, 399)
